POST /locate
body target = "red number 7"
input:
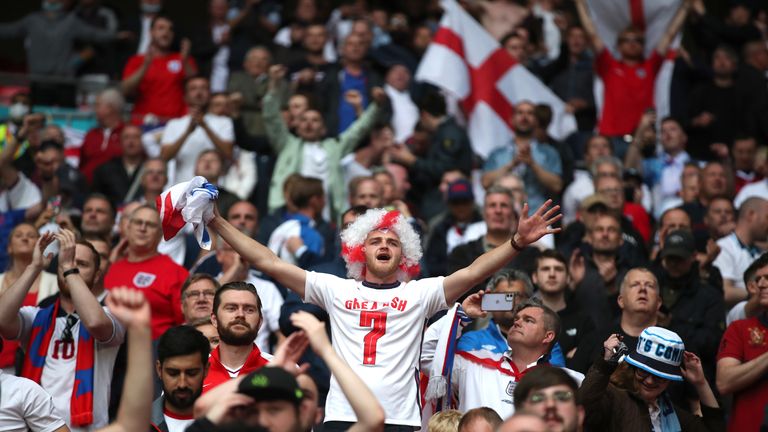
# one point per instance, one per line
(377, 320)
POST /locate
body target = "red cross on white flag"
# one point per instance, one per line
(465, 61)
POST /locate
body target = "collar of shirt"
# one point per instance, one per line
(678, 160)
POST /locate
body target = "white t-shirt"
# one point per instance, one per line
(23, 195)
(58, 377)
(377, 331)
(581, 187)
(738, 312)
(177, 425)
(25, 406)
(405, 113)
(197, 142)
(271, 302)
(734, 258)
(756, 189)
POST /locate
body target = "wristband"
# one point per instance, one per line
(71, 271)
(514, 244)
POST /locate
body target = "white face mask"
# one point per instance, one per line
(17, 111)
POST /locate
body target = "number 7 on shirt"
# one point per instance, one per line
(377, 320)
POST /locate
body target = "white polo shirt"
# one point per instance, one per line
(25, 406)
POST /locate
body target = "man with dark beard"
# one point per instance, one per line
(182, 365)
(237, 317)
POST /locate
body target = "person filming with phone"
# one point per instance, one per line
(484, 375)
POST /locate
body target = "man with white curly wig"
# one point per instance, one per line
(377, 316)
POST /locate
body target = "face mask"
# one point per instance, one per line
(151, 8)
(17, 111)
(52, 6)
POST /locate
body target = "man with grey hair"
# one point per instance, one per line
(500, 221)
(531, 335)
(639, 300)
(102, 143)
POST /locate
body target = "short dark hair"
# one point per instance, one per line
(541, 377)
(481, 413)
(180, 341)
(552, 254)
(235, 286)
(304, 190)
(751, 271)
(158, 17)
(671, 119)
(101, 196)
(433, 103)
(551, 318)
(198, 277)
(96, 256)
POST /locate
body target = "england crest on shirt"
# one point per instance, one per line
(174, 66)
(143, 279)
(511, 387)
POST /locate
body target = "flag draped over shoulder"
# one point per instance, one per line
(188, 202)
(651, 16)
(465, 61)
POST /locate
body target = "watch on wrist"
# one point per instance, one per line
(516, 246)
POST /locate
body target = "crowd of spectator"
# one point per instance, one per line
(630, 258)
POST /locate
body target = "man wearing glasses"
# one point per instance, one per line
(551, 394)
(144, 268)
(197, 297)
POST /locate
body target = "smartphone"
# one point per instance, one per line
(498, 302)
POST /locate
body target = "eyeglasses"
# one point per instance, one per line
(643, 375)
(138, 223)
(558, 396)
(195, 293)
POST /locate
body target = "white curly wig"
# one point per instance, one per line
(353, 240)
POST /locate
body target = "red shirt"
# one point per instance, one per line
(628, 91)
(161, 91)
(8, 354)
(161, 279)
(746, 340)
(639, 218)
(218, 374)
(97, 149)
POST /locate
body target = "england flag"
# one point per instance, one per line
(466, 62)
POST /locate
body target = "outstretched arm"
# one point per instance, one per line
(260, 256)
(529, 230)
(674, 27)
(370, 414)
(12, 299)
(589, 25)
(131, 308)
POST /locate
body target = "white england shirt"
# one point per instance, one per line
(378, 332)
(58, 377)
(25, 406)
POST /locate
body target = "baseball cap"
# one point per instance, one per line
(271, 383)
(460, 190)
(678, 243)
(591, 201)
(659, 352)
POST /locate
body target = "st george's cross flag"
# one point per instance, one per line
(466, 62)
(188, 202)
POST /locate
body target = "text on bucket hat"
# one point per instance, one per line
(659, 352)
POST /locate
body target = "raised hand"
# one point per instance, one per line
(314, 330)
(531, 228)
(610, 345)
(129, 306)
(288, 353)
(472, 305)
(692, 370)
(67, 243)
(276, 73)
(39, 259)
(354, 98)
(378, 95)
